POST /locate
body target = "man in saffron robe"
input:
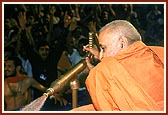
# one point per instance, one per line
(130, 76)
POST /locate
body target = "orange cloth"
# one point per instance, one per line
(133, 80)
(88, 107)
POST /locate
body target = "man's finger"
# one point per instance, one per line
(89, 65)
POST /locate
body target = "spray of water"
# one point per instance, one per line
(35, 105)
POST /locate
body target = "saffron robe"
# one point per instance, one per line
(133, 80)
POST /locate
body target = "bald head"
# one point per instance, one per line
(116, 36)
(122, 28)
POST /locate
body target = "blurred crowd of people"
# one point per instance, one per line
(49, 38)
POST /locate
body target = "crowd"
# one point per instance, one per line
(48, 39)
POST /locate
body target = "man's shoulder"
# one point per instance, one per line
(156, 47)
(159, 50)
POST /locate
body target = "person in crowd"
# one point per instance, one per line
(17, 85)
(130, 75)
(107, 14)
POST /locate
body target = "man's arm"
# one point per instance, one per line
(36, 84)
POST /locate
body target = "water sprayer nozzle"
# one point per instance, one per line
(49, 92)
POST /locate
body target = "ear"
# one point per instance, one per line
(123, 42)
(18, 68)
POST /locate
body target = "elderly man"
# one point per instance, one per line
(130, 76)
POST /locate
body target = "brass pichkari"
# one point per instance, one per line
(59, 84)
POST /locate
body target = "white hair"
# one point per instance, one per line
(123, 28)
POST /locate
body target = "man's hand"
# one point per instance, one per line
(94, 52)
(22, 19)
(89, 65)
(58, 97)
